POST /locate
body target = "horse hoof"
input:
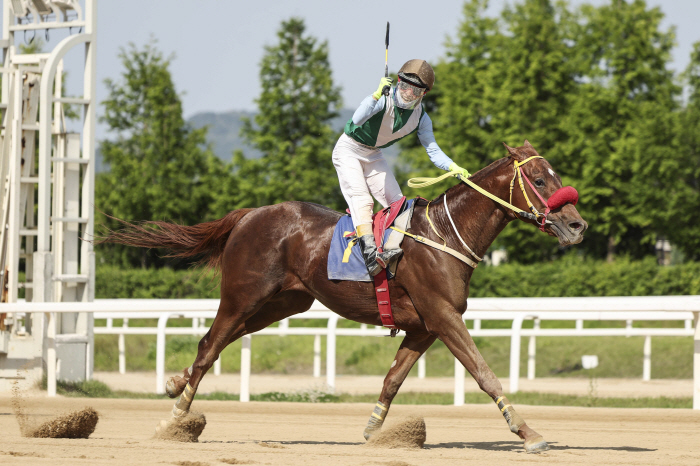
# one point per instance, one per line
(536, 445)
(368, 433)
(160, 428)
(172, 388)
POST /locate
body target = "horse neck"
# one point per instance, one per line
(478, 219)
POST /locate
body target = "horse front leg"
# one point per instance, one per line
(452, 331)
(412, 347)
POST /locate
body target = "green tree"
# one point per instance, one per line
(158, 166)
(292, 130)
(505, 79)
(681, 203)
(588, 87)
(618, 125)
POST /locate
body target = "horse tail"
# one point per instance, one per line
(206, 240)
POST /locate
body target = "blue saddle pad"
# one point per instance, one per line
(354, 269)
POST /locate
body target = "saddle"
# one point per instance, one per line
(345, 261)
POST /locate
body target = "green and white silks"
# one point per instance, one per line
(386, 127)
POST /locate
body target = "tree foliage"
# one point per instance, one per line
(158, 166)
(589, 87)
(297, 102)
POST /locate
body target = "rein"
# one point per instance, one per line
(559, 198)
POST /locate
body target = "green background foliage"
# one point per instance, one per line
(588, 86)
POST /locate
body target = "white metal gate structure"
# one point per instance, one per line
(46, 195)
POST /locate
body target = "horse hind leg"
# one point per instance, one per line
(412, 347)
(227, 328)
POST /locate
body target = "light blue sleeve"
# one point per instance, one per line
(427, 138)
(367, 109)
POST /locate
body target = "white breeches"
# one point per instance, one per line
(363, 173)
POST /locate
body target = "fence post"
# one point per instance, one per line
(217, 366)
(122, 348)
(421, 366)
(531, 352)
(160, 353)
(515, 353)
(245, 368)
(284, 324)
(646, 372)
(459, 383)
(696, 363)
(330, 353)
(51, 354)
(317, 355)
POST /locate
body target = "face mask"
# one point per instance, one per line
(407, 96)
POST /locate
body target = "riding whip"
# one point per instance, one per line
(385, 91)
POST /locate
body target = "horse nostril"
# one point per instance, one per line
(575, 226)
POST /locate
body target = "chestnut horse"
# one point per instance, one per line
(273, 265)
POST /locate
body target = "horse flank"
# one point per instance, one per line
(206, 239)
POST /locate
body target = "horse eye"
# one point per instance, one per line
(539, 183)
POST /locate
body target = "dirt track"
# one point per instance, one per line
(331, 434)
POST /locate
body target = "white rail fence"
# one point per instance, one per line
(657, 308)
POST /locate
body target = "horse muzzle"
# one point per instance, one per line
(567, 225)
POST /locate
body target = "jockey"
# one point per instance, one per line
(379, 122)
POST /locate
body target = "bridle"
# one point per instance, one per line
(560, 197)
(517, 171)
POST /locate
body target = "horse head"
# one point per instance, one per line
(537, 190)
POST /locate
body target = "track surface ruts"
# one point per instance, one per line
(323, 434)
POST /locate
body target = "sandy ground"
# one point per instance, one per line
(331, 434)
(230, 383)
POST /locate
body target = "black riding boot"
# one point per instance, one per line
(376, 262)
(369, 254)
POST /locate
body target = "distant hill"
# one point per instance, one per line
(224, 133)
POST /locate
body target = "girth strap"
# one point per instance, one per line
(441, 247)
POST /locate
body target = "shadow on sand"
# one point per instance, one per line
(518, 446)
(284, 442)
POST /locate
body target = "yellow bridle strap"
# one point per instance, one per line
(422, 182)
(433, 226)
(518, 173)
(520, 164)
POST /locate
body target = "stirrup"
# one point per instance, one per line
(386, 258)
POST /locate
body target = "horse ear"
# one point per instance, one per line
(528, 145)
(512, 152)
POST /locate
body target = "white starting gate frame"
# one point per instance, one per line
(46, 196)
